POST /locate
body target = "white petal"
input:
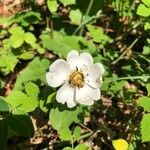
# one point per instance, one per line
(59, 73)
(80, 62)
(97, 94)
(86, 57)
(92, 82)
(66, 94)
(84, 62)
(72, 54)
(101, 68)
(85, 95)
(93, 77)
(53, 66)
(96, 70)
(73, 59)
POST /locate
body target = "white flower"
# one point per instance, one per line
(79, 77)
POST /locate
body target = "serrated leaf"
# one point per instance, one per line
(29, 38)
(143, 10)
(75, 16)
(26, 55)
(21, 125)
(23, 18)
(145, 128)
(146, 2)
(7, 63)
(32, 90)
(3, 105)
(16, 41)
(6, 21)
(21, 102)
(62, 44)
(52, 5)
(97, 34)
(145, 103)
(82, 147)
(68, 2)
(3, 134)
(35, 70)
(27, 18)
(146, 50)
(16, 31)
(53, 44)
(65, 134)
(60, 117)
(147, 26)
(76, 133)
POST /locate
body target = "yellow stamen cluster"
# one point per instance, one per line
(76, 79)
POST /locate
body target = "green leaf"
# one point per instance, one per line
(132, 147)
(143, 11)
(62, 44)
(29, 38)
(145, 128)
(82, 147)
(16, 41)
(148, 40)
(67, 148)
(7, 63)
(2, 84)
(146, 50)
(97, 34)
(61, 118)
(52, 5)
(40, 50)
(26, 55)
(148, 88)
(75, 16)
(24, 18)
(27, 18)
(53, 44)
(51, 98)
(3, 105)
(147, 26)
(16, 31)
(145, 103)
(21, 125)
(76, 133)
(32, 90)
(6, 21)
(21, 102)
(35, 70)
(3, 134)
(68, 2)
(146, 2)
(65, 134)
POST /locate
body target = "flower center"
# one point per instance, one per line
(76, 79)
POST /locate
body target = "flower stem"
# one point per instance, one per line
(86, 14)
(84, 23)
(72, 141)
(131, 78)
(125, 52)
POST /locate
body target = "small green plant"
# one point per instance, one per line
(97, 97)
